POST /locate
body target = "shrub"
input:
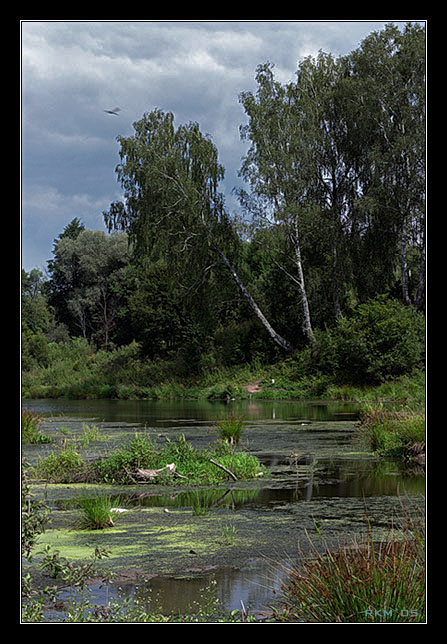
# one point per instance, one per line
(65, 466)
(382, 339)
(138, 452)
(30, 428)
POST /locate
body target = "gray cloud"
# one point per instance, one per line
(72, 71)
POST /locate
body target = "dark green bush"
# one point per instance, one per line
(383, 338)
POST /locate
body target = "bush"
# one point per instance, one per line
(382, 339)
(65, 466)
(138, 452)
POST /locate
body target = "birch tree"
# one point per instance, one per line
(388, 70)
(276, 170)
(172, 205)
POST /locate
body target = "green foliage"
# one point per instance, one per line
(156, 313)
(394, 433)
(30, 428)
(35, 518)
(231, 429)
(35, 515)
(62, 466)
(66, 465)
(382, 339)
(97, 511)
(87, 283)
(335, 168)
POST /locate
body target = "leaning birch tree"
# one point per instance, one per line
(276, 171)
(172, 205)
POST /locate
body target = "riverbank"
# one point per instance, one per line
(76, 372)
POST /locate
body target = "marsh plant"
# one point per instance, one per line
(67, 465)
(31, 433)
(230, 429)
(362, 582)
(229, 534)
(98, 511)
(202, 501)
(394, 433)
(35, 519)
(60, 466)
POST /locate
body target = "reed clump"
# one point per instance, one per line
(362, 582)
(230, 429)
(394, 433)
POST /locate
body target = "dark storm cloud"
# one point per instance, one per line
(73, 71)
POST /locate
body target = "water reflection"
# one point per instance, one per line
(223, 589)
(184, 411)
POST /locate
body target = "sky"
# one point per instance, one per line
(72, 71)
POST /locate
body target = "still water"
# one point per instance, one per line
(318, 467)
(158, 412)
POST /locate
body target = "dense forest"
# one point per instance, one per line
(324, 264)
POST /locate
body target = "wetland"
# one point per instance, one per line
(171, 543)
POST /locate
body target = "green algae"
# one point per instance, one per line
(322, 485)
(160, 542)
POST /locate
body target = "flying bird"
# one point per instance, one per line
(114, 111)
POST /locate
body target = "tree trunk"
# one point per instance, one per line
(404, 263)
(282, 342)
(335, 282)
(419, 303)
(307, 325)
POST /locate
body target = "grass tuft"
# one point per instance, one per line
(230, 429)
(97, 511)
(364, 582)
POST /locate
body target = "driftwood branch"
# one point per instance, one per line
(146, 474)
(224, 469)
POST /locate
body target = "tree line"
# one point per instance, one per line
(332, 216)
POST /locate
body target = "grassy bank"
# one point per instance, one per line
(76, 371)
(393, 433)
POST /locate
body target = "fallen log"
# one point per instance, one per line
(224, 469)
(145, 474)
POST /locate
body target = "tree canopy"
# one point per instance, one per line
(334, 206)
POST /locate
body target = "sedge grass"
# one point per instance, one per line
(231, 429)
(96, 511)
(393, 433)
(363, 582)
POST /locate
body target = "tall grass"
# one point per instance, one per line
(394, 433)
(97, 511)
(364, 582)
(31, 428)
(231, 429)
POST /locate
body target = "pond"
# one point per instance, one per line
(322, 481)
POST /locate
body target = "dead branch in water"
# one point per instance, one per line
(224, 469)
